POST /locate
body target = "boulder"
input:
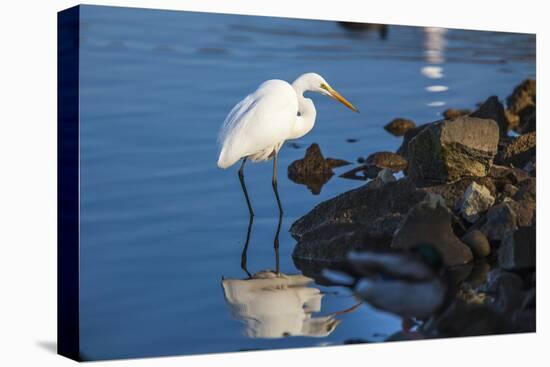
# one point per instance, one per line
(517, 250)
(523, 96)
(430, 222)
(519, 152)
(313, 170)
(362, 218)
(449, 150)
(499, 221)
(399, 126)
(477, 199)
(409, 135)
(453, 113)
(494, 110)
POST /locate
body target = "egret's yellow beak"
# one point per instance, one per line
(337, 96)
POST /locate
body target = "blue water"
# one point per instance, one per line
(161, 224)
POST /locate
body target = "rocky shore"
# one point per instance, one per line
(468, 188)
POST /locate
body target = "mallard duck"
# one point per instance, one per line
(409, 284)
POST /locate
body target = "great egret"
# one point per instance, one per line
(258, 126)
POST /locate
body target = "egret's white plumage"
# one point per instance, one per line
(258, 126)
(277, 111)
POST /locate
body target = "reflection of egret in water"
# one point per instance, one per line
(276, 305)
(434, 47)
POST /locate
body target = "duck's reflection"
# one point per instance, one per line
(272, 304)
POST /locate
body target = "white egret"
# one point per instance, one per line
(258, 126)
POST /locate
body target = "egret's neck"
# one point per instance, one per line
(306, 113)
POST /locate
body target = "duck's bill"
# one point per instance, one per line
(337, 96)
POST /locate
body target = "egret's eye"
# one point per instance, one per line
(324, 86)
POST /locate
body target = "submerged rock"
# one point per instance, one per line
(448, 150)
(494, 110)
(477, 199)
(364, 218)
(453, 113)
(399, 126)
(430, 222)
(519, 152)
(517, 250)
(478, 243)
(313, 170)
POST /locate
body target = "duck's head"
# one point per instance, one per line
(429, 255)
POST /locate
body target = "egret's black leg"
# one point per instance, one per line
(276, 243)
(245, 247)
(274, 183)
(241, 178)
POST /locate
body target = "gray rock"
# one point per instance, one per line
(399, 126)
(409, 135)
(453, 193)
(447, 151)
(517, 250)
(430, 222)
(477, 199)
(499, 222)
(357, 219)
(478, 243)
(385, 176)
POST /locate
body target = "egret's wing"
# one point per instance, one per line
(260, 121)
(232, 119)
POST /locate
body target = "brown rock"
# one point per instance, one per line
(524, 95)
(453, 113)
(478, 243)
(312, 170)
(519, 152)
(399, 126)
(389, 160)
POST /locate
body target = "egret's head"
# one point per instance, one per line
(316, 83)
